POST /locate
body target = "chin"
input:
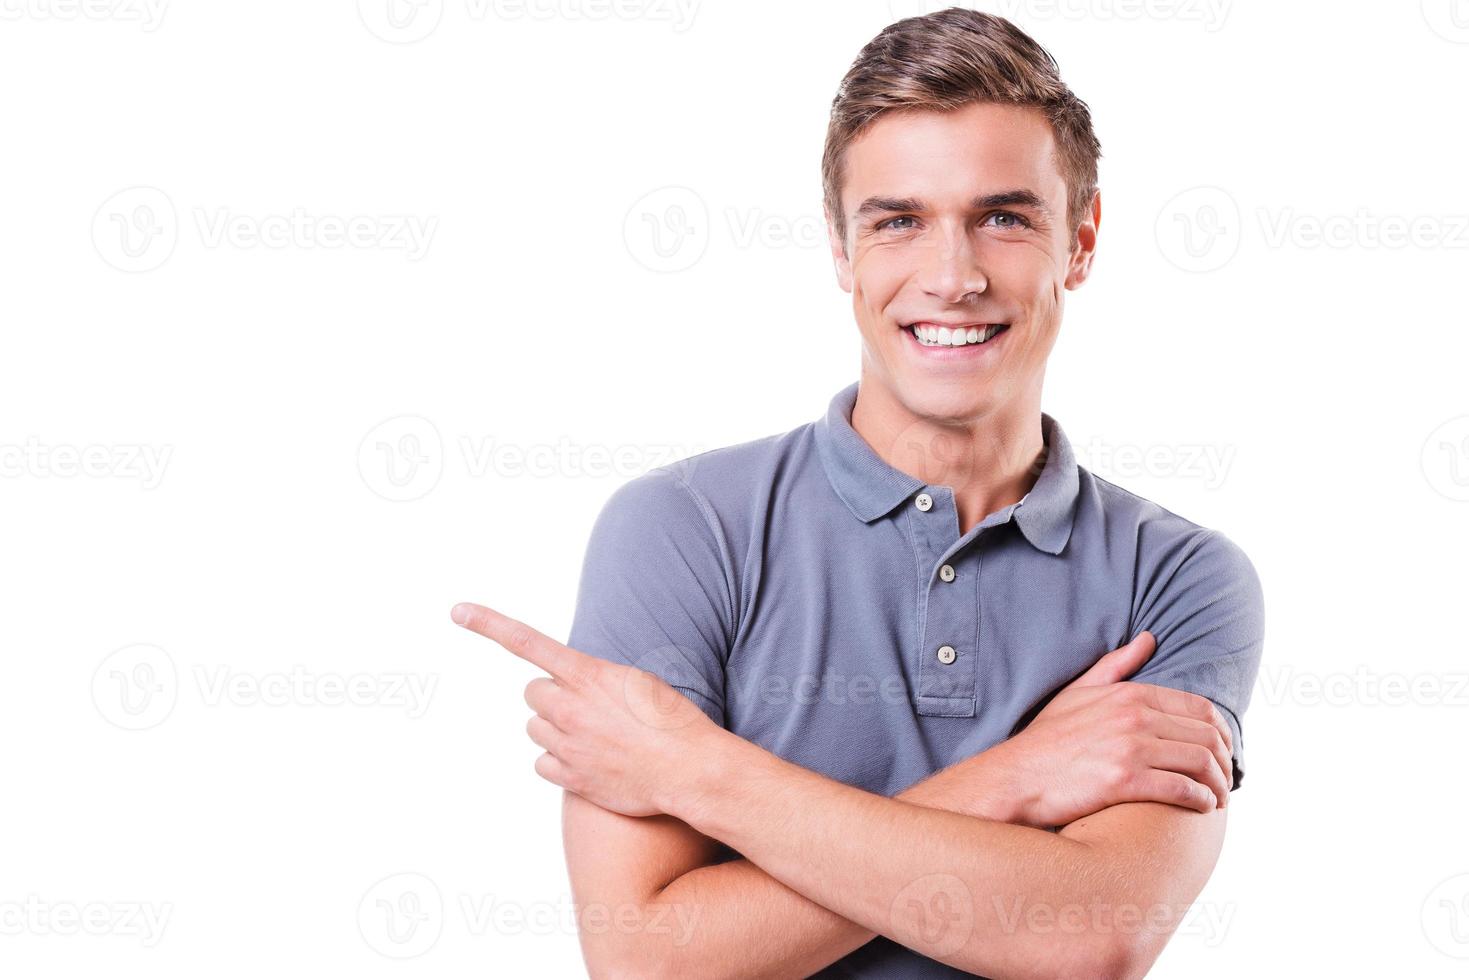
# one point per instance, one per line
(939, 398)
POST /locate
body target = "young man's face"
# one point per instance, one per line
(959, 218)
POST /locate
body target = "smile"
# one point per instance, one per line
(944, 335)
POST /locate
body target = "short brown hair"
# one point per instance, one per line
(943, 61)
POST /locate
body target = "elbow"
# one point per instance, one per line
(608, 959)
(1117, 956)
(1124, 956)
(621, 963)
(621, 966)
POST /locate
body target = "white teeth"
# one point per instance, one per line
(954, 337)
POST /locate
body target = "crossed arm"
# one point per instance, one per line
(829, 867)
(956, 867)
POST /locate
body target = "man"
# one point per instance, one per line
(835, 701)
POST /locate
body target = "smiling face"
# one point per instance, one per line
(956, 222)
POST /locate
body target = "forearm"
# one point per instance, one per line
(947, 884)
(744, 923)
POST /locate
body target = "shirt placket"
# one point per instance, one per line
(948, 656)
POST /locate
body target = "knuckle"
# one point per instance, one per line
(519, 637)
(581, 674)
(1127, 692)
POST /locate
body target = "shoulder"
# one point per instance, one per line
(1163, 539)
(718, 483)
(710, 495)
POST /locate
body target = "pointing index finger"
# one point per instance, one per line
(556, 659)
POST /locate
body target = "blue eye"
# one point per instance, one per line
(887, 223)
(1013, 220)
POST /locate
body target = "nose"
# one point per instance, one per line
(952, 269)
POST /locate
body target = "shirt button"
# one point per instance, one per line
(947, 654)
(946, 572)
(923, 502)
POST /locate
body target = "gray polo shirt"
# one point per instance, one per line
(821, 603)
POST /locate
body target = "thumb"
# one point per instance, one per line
(1120, 664)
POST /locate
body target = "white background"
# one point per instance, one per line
(174, 175)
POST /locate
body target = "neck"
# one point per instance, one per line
(990, 461)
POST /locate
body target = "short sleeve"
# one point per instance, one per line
(655, 590)
(1203, 604)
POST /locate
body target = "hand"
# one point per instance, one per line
(1104, 740)
(614, 734)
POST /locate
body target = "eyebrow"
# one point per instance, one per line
(1004, 199)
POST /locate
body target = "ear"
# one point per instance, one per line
(839, 257)
(1080, 265)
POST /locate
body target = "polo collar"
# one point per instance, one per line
(871, 488)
